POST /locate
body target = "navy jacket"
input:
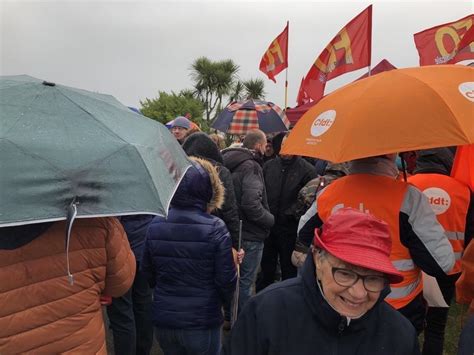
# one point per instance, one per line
(188, 260)
(292, 317)
(136, 226)
(250, 192)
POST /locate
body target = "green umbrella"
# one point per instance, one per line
(59, 144)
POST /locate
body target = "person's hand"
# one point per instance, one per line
(105, 300)
(240, 255)
(298, 258)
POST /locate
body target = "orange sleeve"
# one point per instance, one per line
(121, 264)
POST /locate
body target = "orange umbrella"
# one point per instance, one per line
(463, 167)
(399, 110)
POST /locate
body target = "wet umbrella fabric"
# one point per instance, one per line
(395, 111)
(59, 144)
(240, 117)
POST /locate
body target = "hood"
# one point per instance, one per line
(200, 187)
(337, 169)
(437, 161)
(18, 236)
(233, 157)
(374, 165)
(200, 145)
(276, 142)
(194, 190)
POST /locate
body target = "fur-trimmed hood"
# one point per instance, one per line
(200, 187)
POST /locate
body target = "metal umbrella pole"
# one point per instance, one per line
(235, 301)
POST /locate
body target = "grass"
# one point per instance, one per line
(456, 319)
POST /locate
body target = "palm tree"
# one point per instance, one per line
(254, 89)
(213, 81)
(237, 93)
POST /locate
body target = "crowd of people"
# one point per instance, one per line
(261, 253)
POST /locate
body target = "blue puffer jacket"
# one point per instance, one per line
(136, 226)
(188, 259)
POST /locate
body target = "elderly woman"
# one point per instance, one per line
(336, 305)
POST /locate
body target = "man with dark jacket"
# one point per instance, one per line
(284, 176)
(245, 164)
(129, 315)
(336, 305)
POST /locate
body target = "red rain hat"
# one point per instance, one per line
(359, 239)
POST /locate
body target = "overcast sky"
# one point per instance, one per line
(133, 49)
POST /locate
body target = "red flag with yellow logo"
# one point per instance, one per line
(349, 50)
(446, 43)
(275, 58)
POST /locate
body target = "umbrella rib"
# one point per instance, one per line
(26, 107)
(149, 174)
(26, 152)
(92, 116)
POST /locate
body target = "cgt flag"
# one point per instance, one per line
(349, 50)
(275, 58)
(448, 43)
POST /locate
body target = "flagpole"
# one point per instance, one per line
(286, 78)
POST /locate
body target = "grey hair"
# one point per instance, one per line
(253, 138)
(321, 252)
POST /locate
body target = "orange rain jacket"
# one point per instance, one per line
(41, 312)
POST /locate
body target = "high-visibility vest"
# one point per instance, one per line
(449, 199)
(382, 197)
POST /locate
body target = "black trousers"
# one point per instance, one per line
(130, 319)
(437, 317)
(415, 312)
(276, 246)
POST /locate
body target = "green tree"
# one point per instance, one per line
(238, 92)
(254, 89)
(213, 80)
(166, 107)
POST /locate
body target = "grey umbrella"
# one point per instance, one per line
(59, 144)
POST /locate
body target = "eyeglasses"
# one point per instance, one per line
(347, 278)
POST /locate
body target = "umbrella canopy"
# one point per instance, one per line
(295, 113)
(395, 111)
(58, 144)
(241, 117)
(463, 167)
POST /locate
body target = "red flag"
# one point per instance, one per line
(348, 51)
(275, 58)
(303, 97)
(465, 47)
(445, 43)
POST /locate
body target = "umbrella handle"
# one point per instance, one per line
(239, 243)
(71, 216)
(404, 168)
